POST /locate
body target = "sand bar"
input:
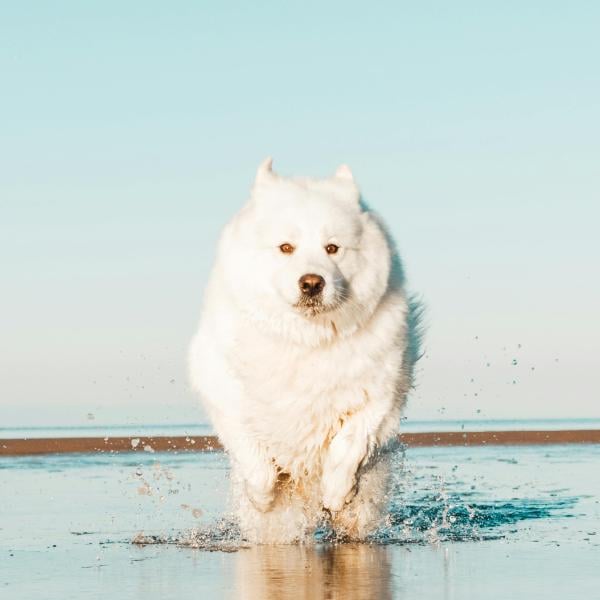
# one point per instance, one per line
(33, 446)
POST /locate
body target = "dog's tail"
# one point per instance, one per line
(415, 322)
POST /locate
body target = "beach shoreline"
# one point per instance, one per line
(208, 443)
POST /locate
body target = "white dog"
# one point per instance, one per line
(303, 357)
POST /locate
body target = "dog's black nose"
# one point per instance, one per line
(311, 284)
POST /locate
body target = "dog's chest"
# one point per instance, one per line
(297, 397)
(275, 373)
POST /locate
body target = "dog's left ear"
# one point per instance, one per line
(265, 170)
(344, 172)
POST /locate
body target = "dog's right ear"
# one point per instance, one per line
(265, 171)
(344, 172)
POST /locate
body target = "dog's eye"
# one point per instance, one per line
(286, 248)
(331, 248)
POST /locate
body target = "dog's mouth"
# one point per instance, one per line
(312, 306)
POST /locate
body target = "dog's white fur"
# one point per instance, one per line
(303, 396)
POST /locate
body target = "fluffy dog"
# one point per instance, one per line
(303, 357)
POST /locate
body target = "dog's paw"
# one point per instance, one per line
(336, 497)
(261, 498)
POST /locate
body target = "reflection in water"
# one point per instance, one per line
(344, 571)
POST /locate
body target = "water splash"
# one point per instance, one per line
(428, 508)
(424, 508)
(428, 519)
(222, 536)
(435, 518)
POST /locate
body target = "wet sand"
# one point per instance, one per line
(33, 446)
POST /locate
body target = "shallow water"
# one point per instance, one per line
(463, 522)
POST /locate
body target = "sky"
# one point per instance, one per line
(130, 134)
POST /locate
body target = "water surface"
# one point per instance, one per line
(463, 523)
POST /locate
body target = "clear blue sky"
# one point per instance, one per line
(130, 133)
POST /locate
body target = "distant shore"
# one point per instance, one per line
(207, 443)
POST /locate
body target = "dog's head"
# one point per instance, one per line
(306, 251)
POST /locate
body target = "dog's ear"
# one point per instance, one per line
(345, 186)
(344, 172)
(265, 170)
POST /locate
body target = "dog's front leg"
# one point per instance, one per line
(260, 486)
(253, 471)
(347, 450)
(256, 472)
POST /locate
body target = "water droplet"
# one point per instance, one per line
(144, 490)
